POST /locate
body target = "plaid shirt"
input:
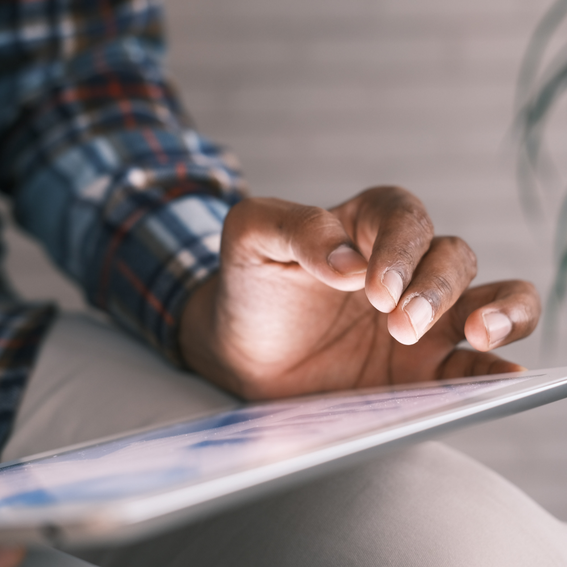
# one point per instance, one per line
(105, 169)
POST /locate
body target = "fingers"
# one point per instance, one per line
(438, 281)
(463, 363)
(392, 229)
(412, 276)
(272, 230)
(409, 275)
(495, 314)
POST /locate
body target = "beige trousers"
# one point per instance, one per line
(427, 506)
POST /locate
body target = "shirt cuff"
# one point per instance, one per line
(165, 256)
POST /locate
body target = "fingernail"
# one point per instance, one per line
(498, 326)
(392, 281)
(420, 314)
(347, 261)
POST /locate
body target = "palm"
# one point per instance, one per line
(295, 335)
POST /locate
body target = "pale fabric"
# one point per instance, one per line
(92, 380)
(426, 506)
(46, 557)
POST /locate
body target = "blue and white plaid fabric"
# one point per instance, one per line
(103, 165)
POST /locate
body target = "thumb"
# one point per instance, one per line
(263, 230)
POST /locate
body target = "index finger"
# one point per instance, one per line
(393, 230)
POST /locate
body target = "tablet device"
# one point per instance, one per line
(139, 484)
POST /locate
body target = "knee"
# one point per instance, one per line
(426, 505)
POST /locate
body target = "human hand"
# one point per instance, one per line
(309, 300)
(11, 556)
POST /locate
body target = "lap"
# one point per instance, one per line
(92, 380)
(426, 505)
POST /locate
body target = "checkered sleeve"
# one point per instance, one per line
(22, 328)
(103, 165)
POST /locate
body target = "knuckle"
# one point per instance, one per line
(531, 291)
(461, 245)
(470, 257)
(411, 217)
(233, 222)
(423, 222)
(394, 200)
(237, 222)
(413, 224)
(386, 192)
(534, 294)
(440, 291)
(244, 209)
(419, 230)
(459, 248)
(246, 224)
(307, 215)
(404, 258)
(528, 303)
(308, 221)
(403, 212)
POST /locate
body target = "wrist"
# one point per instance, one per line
(196, 326)
(199, 337)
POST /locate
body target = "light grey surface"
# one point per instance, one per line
(426, 506)
(47, 557)
(529, 449)
(322, 98)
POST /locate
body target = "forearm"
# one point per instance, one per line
(106, 170)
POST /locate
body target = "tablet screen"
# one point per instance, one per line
(195, 452)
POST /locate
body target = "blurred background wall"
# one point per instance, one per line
(323, 98)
